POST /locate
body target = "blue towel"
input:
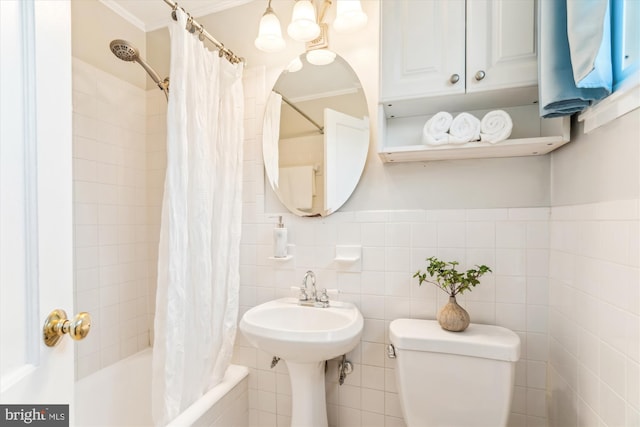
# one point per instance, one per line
(558, 93)
(589, 33)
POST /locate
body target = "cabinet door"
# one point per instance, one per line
(422, 47)
(501, 44)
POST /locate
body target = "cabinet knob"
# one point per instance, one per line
(480, 75)
(454, 78)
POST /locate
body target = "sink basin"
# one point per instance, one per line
(303, 334)
(304, 337)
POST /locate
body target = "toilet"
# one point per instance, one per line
(453, 379)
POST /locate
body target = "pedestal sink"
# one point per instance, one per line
(304, 337)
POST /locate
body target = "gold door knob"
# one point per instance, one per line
(56, 325)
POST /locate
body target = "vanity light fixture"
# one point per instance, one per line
(269, 33)
(318, 52)
(321, 56)
(295, 65)
(349, 16)
(304, 26)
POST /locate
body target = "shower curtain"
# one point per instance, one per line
(198, 260)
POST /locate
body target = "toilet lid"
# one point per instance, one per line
(486, 341)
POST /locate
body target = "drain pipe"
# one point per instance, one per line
(391, 351)
(274, 361)
(344, 368)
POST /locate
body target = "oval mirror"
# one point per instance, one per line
(315, 136)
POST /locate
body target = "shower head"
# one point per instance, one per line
(124, 50)
(127, 52)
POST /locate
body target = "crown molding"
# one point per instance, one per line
(124, 13)
(152, 22)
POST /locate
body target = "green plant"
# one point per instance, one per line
(448, 278)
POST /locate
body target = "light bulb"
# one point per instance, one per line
(320, 56)
(303, 26)
(269, 33)
(349, 16)
(295, 65)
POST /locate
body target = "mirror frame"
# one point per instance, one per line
(338, 113)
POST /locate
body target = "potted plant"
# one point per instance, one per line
(451, 317)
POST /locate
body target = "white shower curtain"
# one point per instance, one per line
(198, 261)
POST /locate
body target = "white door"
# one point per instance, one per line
(422, 48)
(346, 142)
(501, 44)
(36, 250)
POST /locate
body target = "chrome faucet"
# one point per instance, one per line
(311, 298)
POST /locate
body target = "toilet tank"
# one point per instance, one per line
(454, 379)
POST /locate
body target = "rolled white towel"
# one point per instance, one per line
(495, 126)
(464, 128)
(435, 131)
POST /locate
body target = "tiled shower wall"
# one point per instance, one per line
(156, 166)
(514, 242)
(110, 216)
(594, 315)
(593, 346)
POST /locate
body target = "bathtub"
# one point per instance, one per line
(120, 395)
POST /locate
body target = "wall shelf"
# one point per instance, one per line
(347, 259)
(474, 150)
(291, 249)
(401, 138)
(348, 253)
(286, 258)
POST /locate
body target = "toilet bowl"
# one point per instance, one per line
(454, 379)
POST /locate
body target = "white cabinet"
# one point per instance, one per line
(431, 48)
(501, 44)
(460, 55)
(421, 48)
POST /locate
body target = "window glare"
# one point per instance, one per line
(631, 32)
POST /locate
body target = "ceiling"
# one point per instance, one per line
(149, 15)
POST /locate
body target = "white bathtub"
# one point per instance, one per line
(120, 395)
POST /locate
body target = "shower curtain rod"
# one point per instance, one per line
(302, 113)
(193, 26)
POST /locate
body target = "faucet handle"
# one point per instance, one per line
(333, 293)
(302, 296)
(324, 297)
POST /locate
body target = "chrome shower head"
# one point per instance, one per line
(124, 50)
(127, 52)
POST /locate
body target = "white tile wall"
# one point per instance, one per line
(110, 216)
(514, 242)
(155, 170)
(551, 276)
(594, 315)
(231, 410)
